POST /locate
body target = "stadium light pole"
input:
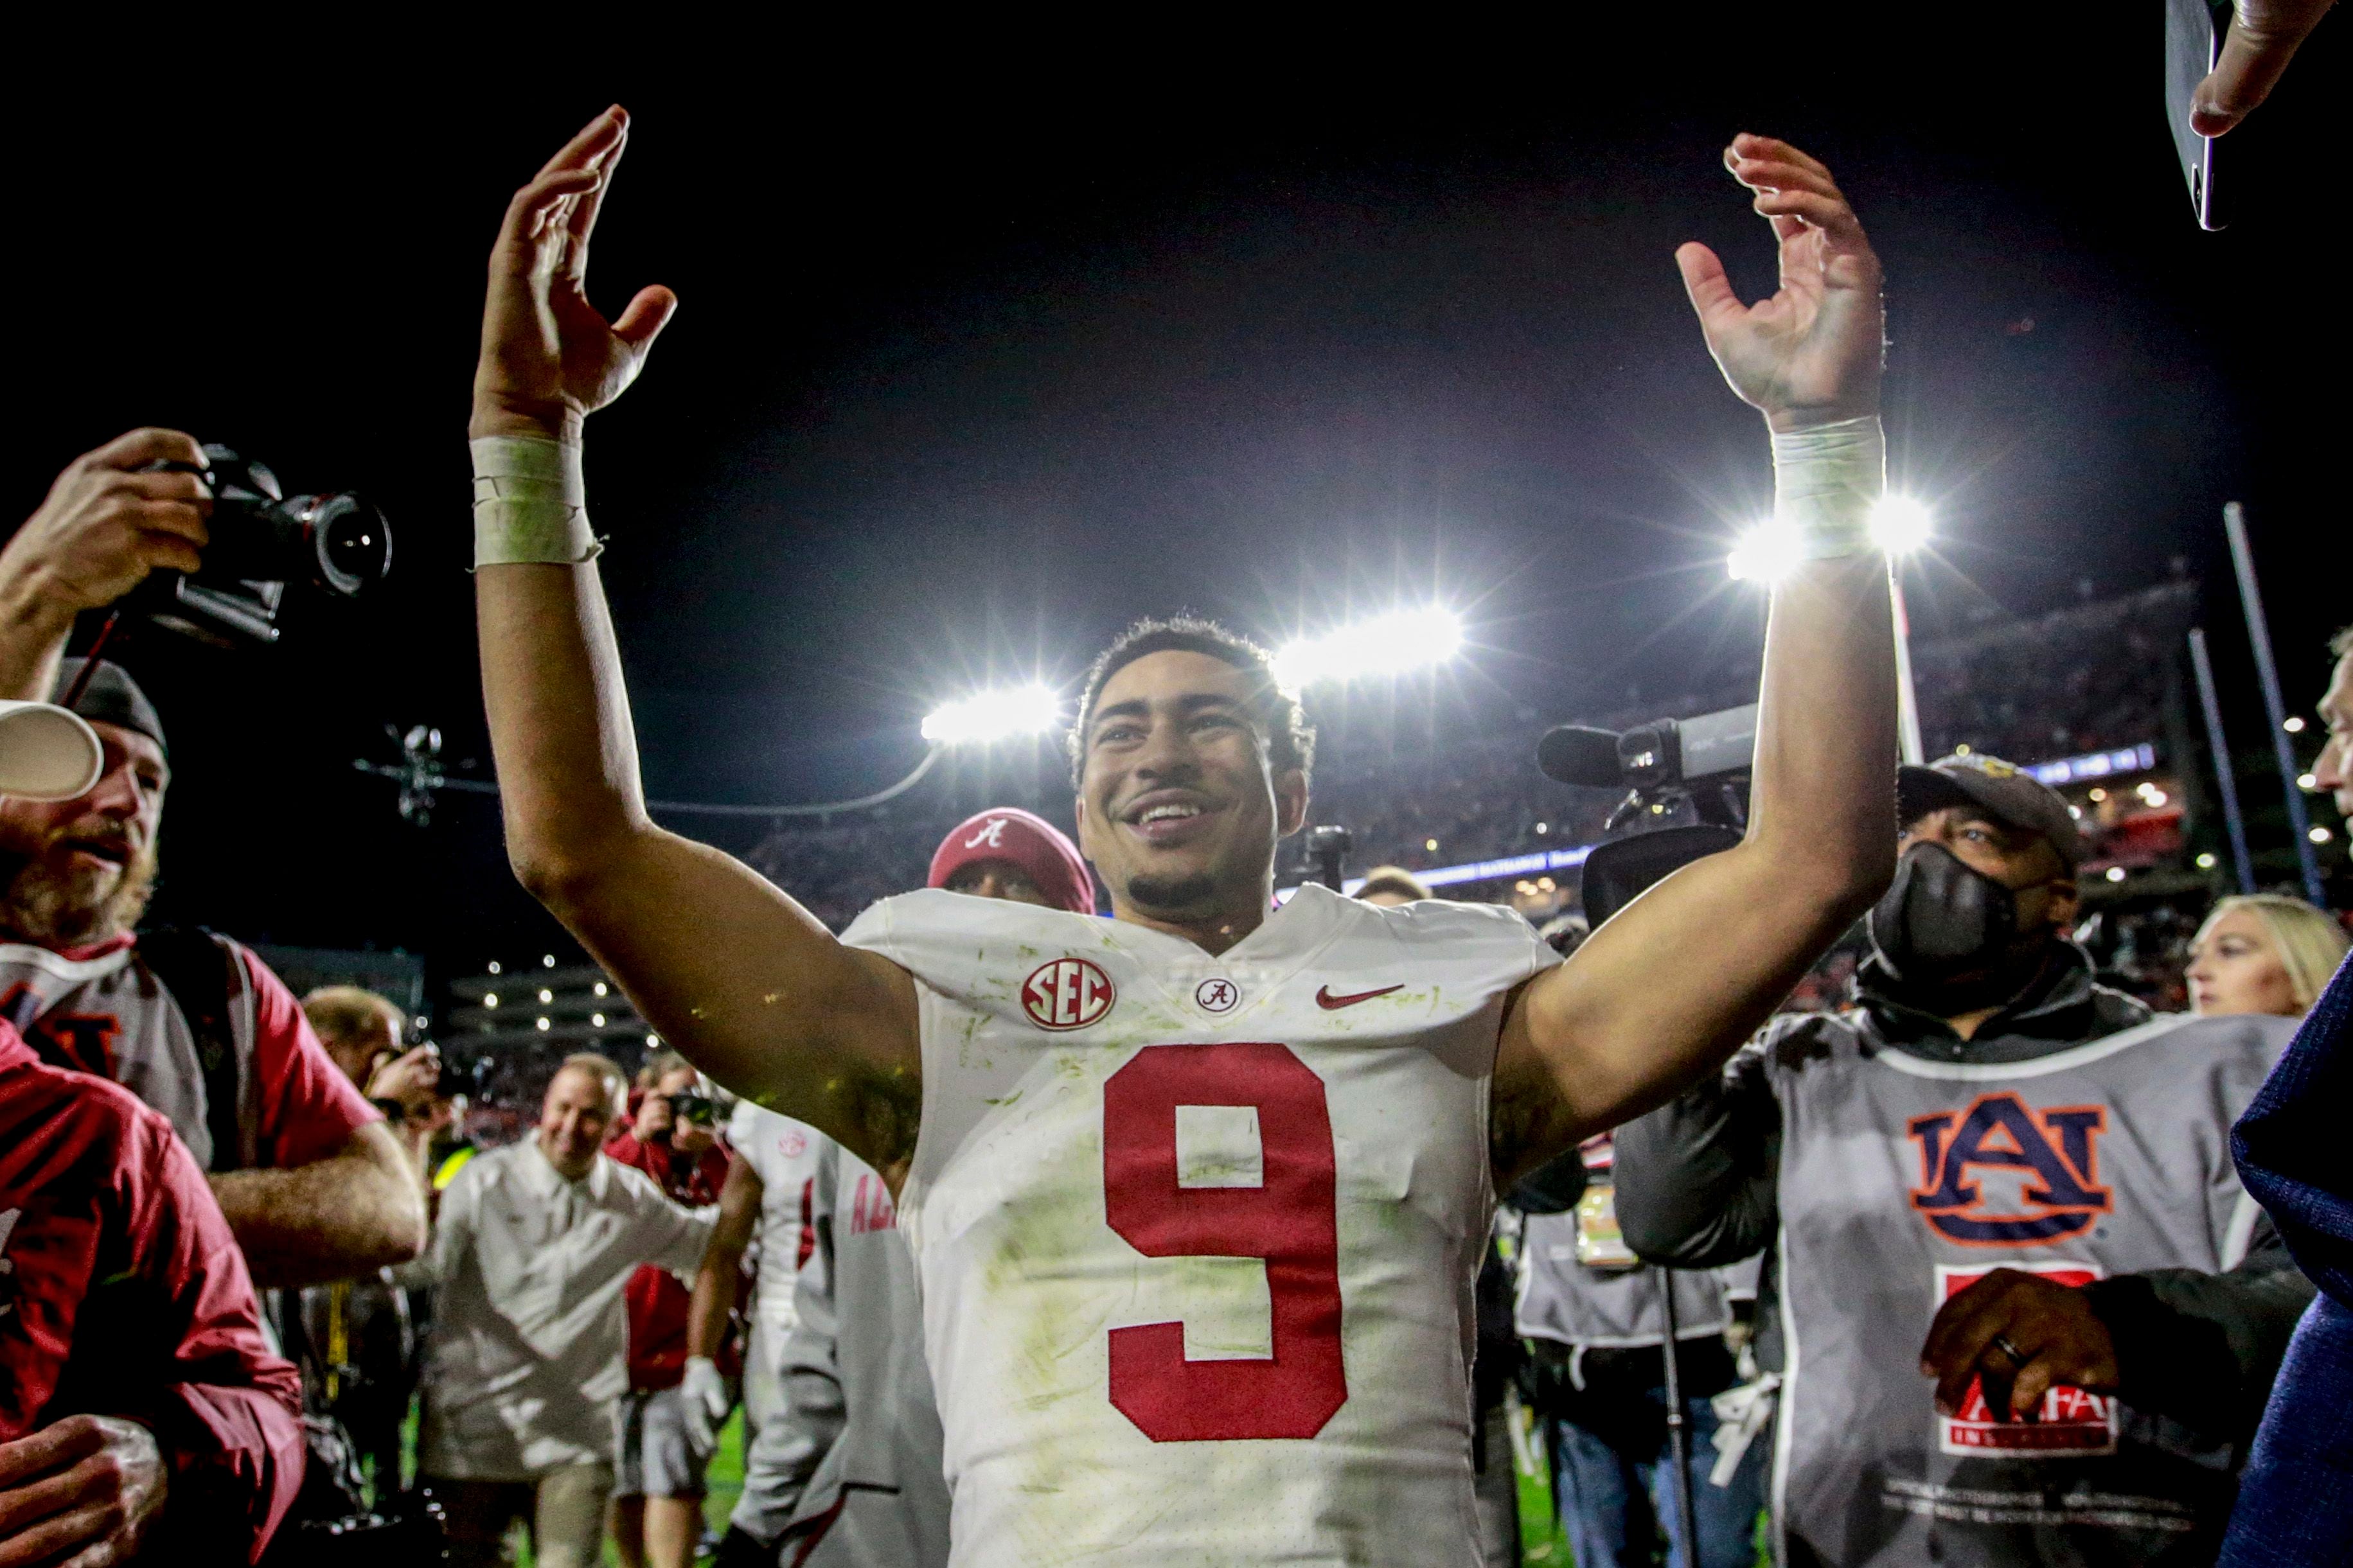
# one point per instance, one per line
(1389, 644)
(974, 720)
(1901, 526)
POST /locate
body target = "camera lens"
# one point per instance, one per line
(352, 541)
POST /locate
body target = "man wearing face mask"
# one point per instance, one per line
(1995, 1152)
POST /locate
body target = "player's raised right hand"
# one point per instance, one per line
(549, 360)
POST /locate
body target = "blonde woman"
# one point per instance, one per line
(2263, 953)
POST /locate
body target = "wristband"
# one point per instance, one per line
(530, 504)
(1825, 480)
(394, 1110)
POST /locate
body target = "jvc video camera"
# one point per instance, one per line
(1686, 783)
(337, 544)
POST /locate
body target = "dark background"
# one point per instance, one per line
(980, 358)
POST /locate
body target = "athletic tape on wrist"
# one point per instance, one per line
(1826, 478)
(530, 502)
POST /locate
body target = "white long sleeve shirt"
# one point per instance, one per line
(529, 1330)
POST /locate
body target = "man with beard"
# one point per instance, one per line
(1994, 1148)
(1195, 1194)
(314, 1185)
(139, 1402)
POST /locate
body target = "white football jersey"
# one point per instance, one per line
(1195, 1233)
(784, 1153)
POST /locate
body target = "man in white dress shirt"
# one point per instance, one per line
(532, 1248)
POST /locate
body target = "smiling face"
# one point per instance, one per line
(579, 1106)
(82, 868)
(2236, 967)
(1178, 806)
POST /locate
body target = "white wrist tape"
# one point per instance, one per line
(1825, 480)
(530, 504)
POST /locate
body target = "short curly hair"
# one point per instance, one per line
(1290, 738)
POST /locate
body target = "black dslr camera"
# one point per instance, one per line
(337, 544)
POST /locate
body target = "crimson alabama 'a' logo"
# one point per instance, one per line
(2046, 1162)
(1066, 994)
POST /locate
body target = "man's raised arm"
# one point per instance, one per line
(748, 985)
(1668, 989)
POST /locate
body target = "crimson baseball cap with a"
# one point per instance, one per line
(1042, 849)
(47, 753)
(2004, 790)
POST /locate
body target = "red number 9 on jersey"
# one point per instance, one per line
(1291, 1221)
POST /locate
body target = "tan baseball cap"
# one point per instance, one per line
(47, 753)
(2004, 790)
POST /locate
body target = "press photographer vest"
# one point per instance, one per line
(169, 1016)
(1903, 1181)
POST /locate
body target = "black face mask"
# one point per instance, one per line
(1944, 926)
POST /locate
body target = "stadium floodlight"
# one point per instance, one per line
(1900, 525)
(988, 716)
(1385, 645)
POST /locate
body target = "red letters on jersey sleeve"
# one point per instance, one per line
(309, 1109)
(230, 1424)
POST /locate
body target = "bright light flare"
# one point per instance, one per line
(1900, 525)
(1769, 551)
(1385, 645)
(1765, 554)
(988, 716)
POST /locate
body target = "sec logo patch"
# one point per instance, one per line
(1066, 994)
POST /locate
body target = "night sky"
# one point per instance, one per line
(979, 360)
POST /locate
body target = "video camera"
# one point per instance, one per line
(337, 544)
(1687, 795)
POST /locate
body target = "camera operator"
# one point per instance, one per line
(658, 1463)
(360, 1335)
(532, 1250)
(1988, 1131)
(139, 1402)
(314, 1185)
(362, 1033)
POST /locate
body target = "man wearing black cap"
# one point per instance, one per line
(314, 1185)
(139, 1402)
(1996, 1152)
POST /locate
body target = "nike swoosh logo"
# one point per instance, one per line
(1325, 1000)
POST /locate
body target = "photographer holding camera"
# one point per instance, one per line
(314, 1185)
(658, 1465)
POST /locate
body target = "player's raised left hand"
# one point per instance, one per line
(2020, 1335)
(1810, 352)
(549, 360)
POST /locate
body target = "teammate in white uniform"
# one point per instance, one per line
(1195, 1193)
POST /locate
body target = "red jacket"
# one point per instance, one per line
(122, 1293)
(658, 1301)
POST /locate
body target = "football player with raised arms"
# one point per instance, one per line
(1196, 1193)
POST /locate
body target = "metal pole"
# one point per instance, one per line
(2258, 631)
(2240, 859)
(1678, 1439)
(1907, 700)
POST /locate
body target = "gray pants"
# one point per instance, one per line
(651, 1454)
